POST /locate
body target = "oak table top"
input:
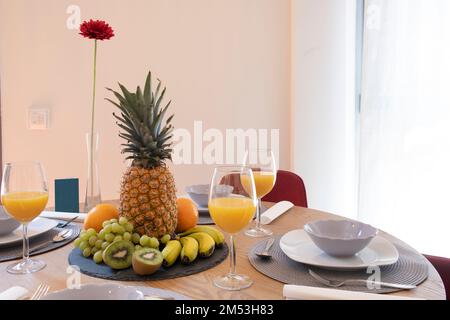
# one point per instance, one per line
(200, 286)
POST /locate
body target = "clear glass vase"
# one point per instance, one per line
(93, 195)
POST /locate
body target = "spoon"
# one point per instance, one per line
(61, 236)
(265, 253)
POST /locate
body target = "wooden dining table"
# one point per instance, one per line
(200, 285)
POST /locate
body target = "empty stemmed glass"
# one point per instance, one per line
(232, 208)
(262, 163)
(24, 196)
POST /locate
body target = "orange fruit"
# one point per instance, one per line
(98, 214)
(187, 214)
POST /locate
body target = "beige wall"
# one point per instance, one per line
(225, 62)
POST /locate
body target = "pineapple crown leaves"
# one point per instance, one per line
(142, 125)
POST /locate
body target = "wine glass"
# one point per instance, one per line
(262, 163)
(232, 208)
(24, 196)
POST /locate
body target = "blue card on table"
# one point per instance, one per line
(66, 195)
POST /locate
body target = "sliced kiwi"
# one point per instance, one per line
(147, 261)
(118, 254)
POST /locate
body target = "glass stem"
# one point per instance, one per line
(232, 256)
(26, 245)
(258, 215)
(91, 170)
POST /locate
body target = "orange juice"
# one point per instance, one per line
(264, 182)
(232, 214)
(25, 206)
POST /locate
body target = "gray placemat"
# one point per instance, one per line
(14, 251)
(411, 268)
(90, 268)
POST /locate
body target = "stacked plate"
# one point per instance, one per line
(302, 247)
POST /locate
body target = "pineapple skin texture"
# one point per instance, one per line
(148, 200)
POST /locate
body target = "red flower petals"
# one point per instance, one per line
(98, 30)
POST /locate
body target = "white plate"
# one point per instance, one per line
(299, 247)
(110, 291)
(97, 292)
(36, 227)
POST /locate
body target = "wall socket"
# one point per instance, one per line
(38, 118)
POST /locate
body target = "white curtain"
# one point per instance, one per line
(404, 163)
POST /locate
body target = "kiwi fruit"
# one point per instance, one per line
(118, 255)
(147, 261)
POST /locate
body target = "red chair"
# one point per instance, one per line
(442, 265)
(288, 187)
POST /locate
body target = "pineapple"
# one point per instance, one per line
(147, 191)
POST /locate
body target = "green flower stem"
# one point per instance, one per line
(91, 167)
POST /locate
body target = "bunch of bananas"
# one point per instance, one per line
(199, 241)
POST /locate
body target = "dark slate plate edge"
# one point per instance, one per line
(88, 267)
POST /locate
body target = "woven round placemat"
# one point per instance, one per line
(90, 268)
(14, 251)
(411, 268)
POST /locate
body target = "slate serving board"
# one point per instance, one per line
(89, 267)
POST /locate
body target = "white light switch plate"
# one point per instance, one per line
(38, 119)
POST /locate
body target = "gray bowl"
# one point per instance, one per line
(200, 193)
(340, 238)
(7, 224)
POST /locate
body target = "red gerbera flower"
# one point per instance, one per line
(98, 30)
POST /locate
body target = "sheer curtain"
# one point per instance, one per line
(404, 163)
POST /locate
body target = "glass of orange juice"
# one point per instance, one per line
(232, 207)
(262, 163)
(24, 196)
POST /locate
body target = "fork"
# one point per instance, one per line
(338, 283)
(41, 291)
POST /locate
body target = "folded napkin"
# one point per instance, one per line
(14, 293)
(65, 216)
(293, 292)
(275, 211)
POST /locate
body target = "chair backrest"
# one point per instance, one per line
(442, 265)
(288, 187)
